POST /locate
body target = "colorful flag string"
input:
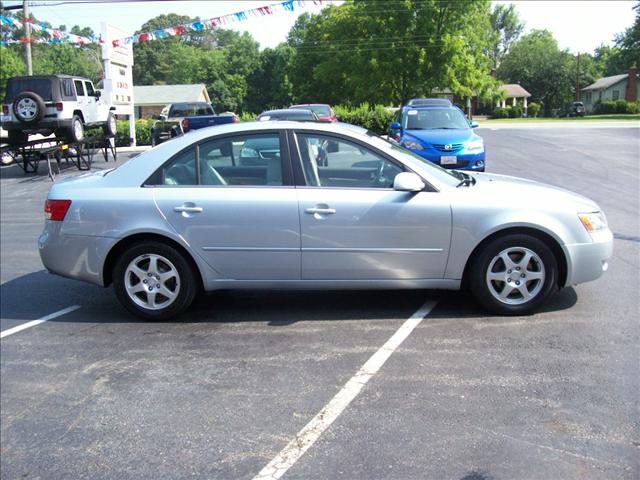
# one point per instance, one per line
(200, 25)
(54, 36)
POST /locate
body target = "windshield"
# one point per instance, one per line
(190, 109)
(435, 118)
(415, 161)
(320, 110)
(41, 86)
(288, 115)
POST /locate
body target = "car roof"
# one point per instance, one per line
(285, 111)
(429, 102)
(310, 105)
(47, 77)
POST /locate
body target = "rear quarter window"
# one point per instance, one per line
(39, 86)
(67, 89)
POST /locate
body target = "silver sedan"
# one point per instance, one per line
(286, 205)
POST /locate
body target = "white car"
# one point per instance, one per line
(60, 104)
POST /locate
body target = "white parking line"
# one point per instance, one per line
(24, 326)
(306, 437)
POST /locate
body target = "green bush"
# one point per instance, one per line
(515, 111)
(247, 117)
(376, 118)
(500, 112)
(616, 106)
(143, 132)
(533, 109)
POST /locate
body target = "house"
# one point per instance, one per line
(149, 100)
(618, 87)
(512, 93)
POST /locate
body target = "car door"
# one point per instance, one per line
(91, 110)
(233, 200)
(81, 95)
(354, 225)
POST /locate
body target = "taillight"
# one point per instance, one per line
(234, 119)
(56, 209)
(59, 106)
(5, 109)
(185, 124)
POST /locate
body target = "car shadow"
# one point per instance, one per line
(37, 294)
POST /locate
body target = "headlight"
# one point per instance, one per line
(475, 145)
(412, 145)
(593, 221)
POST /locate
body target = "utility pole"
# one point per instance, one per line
(27, 37)
(578, 78)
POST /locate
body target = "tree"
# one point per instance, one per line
(536, 62)
(507, 27)
(221, 59)
(365, 51)
(269, 85)
(10, 66)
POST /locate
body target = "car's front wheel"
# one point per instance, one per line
(110, 127)
(154, 281)
(514, 274)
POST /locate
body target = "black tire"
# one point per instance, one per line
(543, 264)
(17, 137)
(28, 108)
(110, 127)
(75, 133)
(184, 286)
(155, 138)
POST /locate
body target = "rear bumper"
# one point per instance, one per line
(74, 256)
(588, 261)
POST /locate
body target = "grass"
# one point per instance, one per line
(612, 117)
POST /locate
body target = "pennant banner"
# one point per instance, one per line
(54, 36)
(200, 25)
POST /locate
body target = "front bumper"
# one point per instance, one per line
(588, 261)
(73, 256)
(465, 161)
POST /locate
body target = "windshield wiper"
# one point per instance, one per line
(467, 179)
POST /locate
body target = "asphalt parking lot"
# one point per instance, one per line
(94, 393)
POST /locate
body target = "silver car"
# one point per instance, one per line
(291, 205)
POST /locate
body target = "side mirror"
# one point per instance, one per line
(395, 126)
(338, 117)
(97, 94)
(408, 182)
(473, 124)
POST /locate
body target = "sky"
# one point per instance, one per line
(579, 26)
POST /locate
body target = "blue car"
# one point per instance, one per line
(439, 132)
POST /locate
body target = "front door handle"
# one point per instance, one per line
(187, 208)
(320, 211)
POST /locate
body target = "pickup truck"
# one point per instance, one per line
(178, 118)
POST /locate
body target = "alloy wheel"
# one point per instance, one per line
(515, 276)
(152, 281)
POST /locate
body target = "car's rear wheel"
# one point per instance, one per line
(514, 274)
(154, 281)
(76, 130)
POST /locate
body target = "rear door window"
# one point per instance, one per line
(79, 88)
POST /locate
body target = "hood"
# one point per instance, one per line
(514, 190)
(442, 136)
